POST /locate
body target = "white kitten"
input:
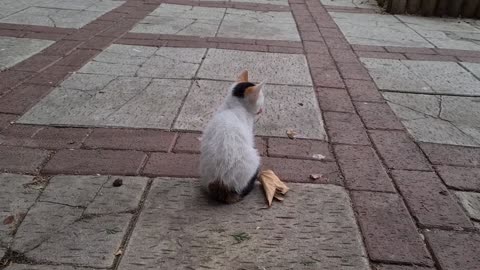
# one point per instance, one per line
(229, 162)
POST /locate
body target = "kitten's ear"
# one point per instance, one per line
(243, 77)
(255, 90)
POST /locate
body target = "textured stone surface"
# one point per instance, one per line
(220, 22)
(460, 177)
(16, 197)
(400, 267)
(437, 118)
(363, 169)
(290, 69)
(370, 4)
(389, 231)
(346, 128)
(429, 200)
(15, 50)
(191, 234)
(43, 267)
(147, 140)
(54, 13)
(377, 29)
(239, 23)
(455, 250)
(304, 149)
(286, 107)
(470, 202)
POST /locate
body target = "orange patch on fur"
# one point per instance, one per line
(243, 77)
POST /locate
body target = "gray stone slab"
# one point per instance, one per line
(435, 130)
(113, 69)
(445, 32)
(90, 242)
(272, 2)
(16, 197)
(87, 82)
(73, 190)
(182, 20)
(370, 4)
(461, 110)
(290, 69)
(437, 118)
(44, 221)
(470, 202)
(258, 25)
(391, 74)
(177, 63)
(474, 68)
(115, 199)
(55, 13)
(378, 30)
(15, 50)
(422, 76)
(445, 77)
(286, 107)
(44, 267)
(300, 233)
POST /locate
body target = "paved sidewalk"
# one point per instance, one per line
(102, 104)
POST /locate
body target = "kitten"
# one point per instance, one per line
(229, 162)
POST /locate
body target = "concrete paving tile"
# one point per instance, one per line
(474, 68)
(258, 25)
(87, 82)
(290, 69)
(90, 242)
(15, 266)
(390, 74)
(280, 228)
(470, 202)
(109, 69)
(285, 105)
(377, 29)
(371, 4)
(55, 13)
(181, 63)
(272, 2)
(15, 50)
(405, 103)
(16, 197)
(182, 20)
(462, 110)
(445, 77)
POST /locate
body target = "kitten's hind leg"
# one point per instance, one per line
(218, 191)
(251, 184)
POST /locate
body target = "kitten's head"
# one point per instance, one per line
(250, 94)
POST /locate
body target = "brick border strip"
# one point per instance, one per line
(411, 53)
(55, 150)
(259, 45)
(34, 31)
(375, 153)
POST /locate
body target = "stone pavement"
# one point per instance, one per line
(102, 104)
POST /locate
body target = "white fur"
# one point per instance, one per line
(228, 149)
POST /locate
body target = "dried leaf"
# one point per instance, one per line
(292, 134)
(8, 220)
(272, 186)
(119, 252)
(318, 156)
(315, 176)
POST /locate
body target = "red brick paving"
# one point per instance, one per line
(455, 250)
(389, 232)
(351, 103)
(431, 203)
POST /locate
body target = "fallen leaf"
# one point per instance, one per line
(8, 220)
(272, 186)
(318, 156)
(119, 252)
(240, 237)
(315, 176)
(292, 134)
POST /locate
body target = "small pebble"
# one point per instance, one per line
(118, 182)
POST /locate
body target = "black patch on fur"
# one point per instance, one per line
(251, 184)
(239, 89)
